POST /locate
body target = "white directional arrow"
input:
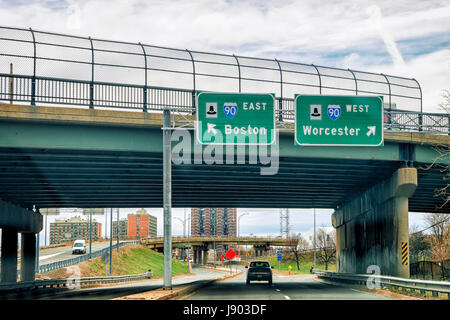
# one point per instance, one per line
(211, 128)
(371, 130)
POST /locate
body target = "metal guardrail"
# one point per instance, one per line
(71, 282)
(390, 283)
(70, 262)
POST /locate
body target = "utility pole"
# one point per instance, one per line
(117, 230)
(90, 233)
(189, 242)
(110, 243)
(45, 225)
(167, 200)
(314, 240)
(214, 238)
(11, 85)
(239, 226)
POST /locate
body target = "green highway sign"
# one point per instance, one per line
(338, 120)
(235, 118)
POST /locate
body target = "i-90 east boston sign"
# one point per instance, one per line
(235, 118)
(338, 120)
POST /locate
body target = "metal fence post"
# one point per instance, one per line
(167, 190)
(320, 79)
(33, 79)
(280, 102)
(144, 105)
(193, 78)
(390, 99)
(420, 114)
(239, 71)
(356, 82)
(91, 85)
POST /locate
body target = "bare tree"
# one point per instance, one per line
(443, 152)
(296, 246)
(326, 245)
(419, 245)
(440, 237)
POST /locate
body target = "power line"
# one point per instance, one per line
(432, 226)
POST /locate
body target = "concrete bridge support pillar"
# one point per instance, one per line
(195, 256)
(372, 227)
(9, 255)
(205, 256)
(260, 250)
(28, 257)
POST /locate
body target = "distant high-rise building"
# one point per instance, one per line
(73, 229)
(141, 225)
(213, 222)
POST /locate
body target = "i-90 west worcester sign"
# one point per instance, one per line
(338, 120)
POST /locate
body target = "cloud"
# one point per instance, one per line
(365, 34)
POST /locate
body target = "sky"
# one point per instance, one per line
(255, 222)
(409, 38)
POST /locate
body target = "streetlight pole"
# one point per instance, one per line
(314, 240)
(110, 242)
(184, 228)
(239, 227)
(167, 200)
(117, 229)
(90, 233)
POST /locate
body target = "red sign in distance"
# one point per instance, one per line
(222, 256)
(230, 254)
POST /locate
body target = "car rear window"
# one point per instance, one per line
(256, 264)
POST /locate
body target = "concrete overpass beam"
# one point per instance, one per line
(28, 257)
(20, 219)
(9, 255)
(372, 227)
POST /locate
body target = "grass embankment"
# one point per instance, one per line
(133, 259)
(305, 263)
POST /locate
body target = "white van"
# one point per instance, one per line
(79, 246)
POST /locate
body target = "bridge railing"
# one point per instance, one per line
(94, 66)
(18, 89)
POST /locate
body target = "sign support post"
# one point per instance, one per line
(167, 199)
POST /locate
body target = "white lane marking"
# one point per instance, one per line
(358, 290)
(287, 298)
(49, 256)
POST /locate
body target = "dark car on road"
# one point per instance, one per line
(260, 271)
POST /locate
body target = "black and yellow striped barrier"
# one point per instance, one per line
(405, 253)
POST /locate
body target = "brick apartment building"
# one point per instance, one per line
(142, 225)
(73, 229)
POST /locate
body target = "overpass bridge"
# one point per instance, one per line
(158, 242)
(100, 143)
(201, 245)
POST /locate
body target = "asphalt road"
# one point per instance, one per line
(64, 253)
(111, 292)
(297, 287)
